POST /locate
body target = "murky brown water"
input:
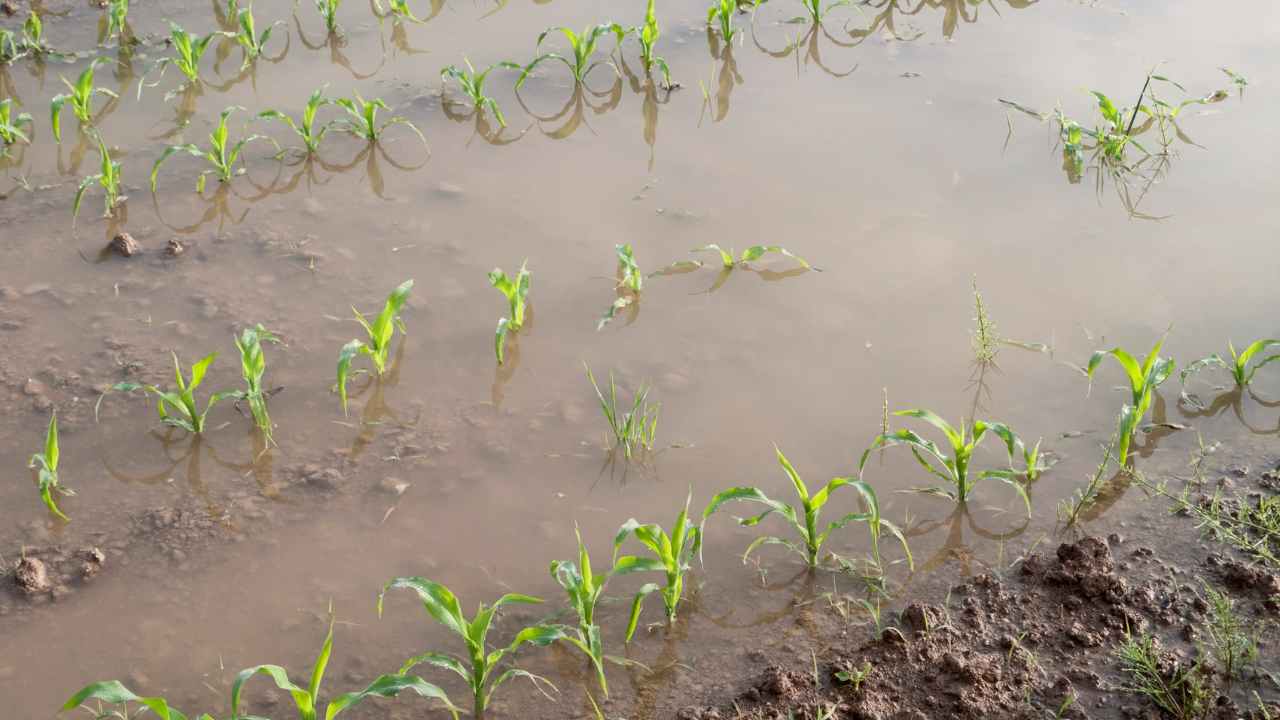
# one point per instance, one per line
(898, 179)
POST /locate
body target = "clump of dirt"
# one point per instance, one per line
(54, 572)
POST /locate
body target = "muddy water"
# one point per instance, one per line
(901, 180)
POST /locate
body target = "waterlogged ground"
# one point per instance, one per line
(874, 147)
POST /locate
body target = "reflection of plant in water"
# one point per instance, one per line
(811, 41)
(726, 79)
(376, 411)
(954, 12)
(954, 546)
(476, 110)
(650, 102)
(336, 42)
(1232, 398)
(574, 111)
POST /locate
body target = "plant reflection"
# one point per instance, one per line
(811, 41)
(574, 111)
(954, 548)
(178, 448)
(376, 411)
(954, 12)
(1192, 407)
(727, 78)
(649, 89)
(335, 42)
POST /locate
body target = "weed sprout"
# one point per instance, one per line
(472, 84)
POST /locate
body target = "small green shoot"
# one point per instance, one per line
(954, 468)
(481, 669)
(253, 365)
(516, 291)
(399, 8)
(179, 408)
(720, 15)
(672, 555)
(11, 48)
(648, 34)
(247, 36)
(118, 21)
(305, 127)
(1236, 79)
(472, 84)
(751, 254)
(1143, 378)
(583, 46)
(108, 178)
(379, 336)
(363, 121)
(632, 431)
(222, 155)
(81, 98)
(47, 463)
(804, 517)
(11, 126)
(188, 50)
(630, 283)
(329, 12)
(1239, 367)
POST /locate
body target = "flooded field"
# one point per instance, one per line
(873, 145)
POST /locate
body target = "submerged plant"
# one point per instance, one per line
(633, 430)
(516, 291)
(481, 667)
(11, 126)
(305, 126)
(1143, 378)
(755, 252)
(672, 555)
(472, 84)
(108, 178)
(1239, 367)
(81, 98)
(307, 699)
(954, 468)
(721, 14)
(648, 34)
(247, 36)
(113, 692)
(47, 464)
(179, 408)
(253, 365)
(363, 121)
(583, 46)
(804, 516)
(222, 154)
(379, 335)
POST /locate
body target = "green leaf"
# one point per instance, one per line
(388, 686)
(303, 701)
(51, 443)
(634, 618)
(115, 693)
(438, 600)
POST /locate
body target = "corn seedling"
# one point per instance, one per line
(253, 365)
(113, 692)
(817, 12)
(11, 126)
(720, 15)
(188, 50)
(81, 98)
(118, 20)
(399, 8)
(11, 48)
(305, 126)
(1033, 461)
(1179, 689)
(1239, 366)
(47, 463)
(583, 46)
(222, 155)
(481, 668)
(247, 36)
(1143, 378)
(379, 334)
(180, 408)
(672, 555)
(307, 699)
(108, 178)
(804, 516)
(755, 252)
(472, 84)
(33, 36)
(634, 430)
(516, 290)
(329, 12)
(985, 341)
(364, 119)
(647, 35)
(630, 283)
(953, 468)
(1071, 509)
(1232, 643)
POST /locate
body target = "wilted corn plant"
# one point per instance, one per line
(472, 84)
(634, 430)
(108, 178)
(253, 365)
(179, 408)
(755, 252)
(953, 468)
(222, 155)
(1241, 372)
(672, 555)
(648, 34)
(47, 464)
(305, 126)
(80, 96)
(1143, 378)
(364, 119)
(11, 126)
(720, 14)
(379, 336)
(804, 517)
(247, 36)
(583, 46)
(307, 700)
(516, 291)
(630, 283)
(480, 668)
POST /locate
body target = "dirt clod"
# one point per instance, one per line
(124, 245)
(32, 576)
(174, 247)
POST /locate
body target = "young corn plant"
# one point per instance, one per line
(1241, 371)
(179, 408)
(630, 283)
(113, 692)
(755, 252)
(481, 668)
(33, 41)
(398, 8)
(817, 12)
(108, 178)
(379, 334)
(307, 699)
(188, 50)
(11, 48)
(253, 365)
(1144, 377)
(954, 468)
(583, 47)
(804, 516)
(47, 464)
(647, 34)
(1034, 463)
(118, 21)
(222, 154)
(672, 554)
(720, 15)
(632, 431)
(363, 122)
(516, 290)
(305, 126)
(252, 42)
(329, 12)
(472, 85)
(11, 126)
(80, 95)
